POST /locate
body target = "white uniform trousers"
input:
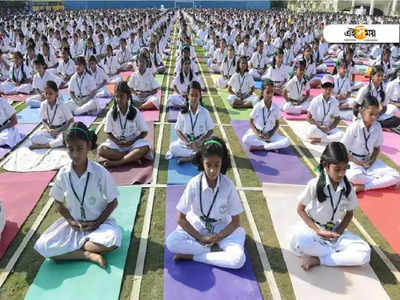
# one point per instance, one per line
(9, 137)
(9, 87)
(153, 98)
(104, 92)
(393, 110)
(34, 101)
(89, 107)
(215, 68)
(334, 135)
(232, 255)
(176, 100)
(179, 149)
(276, 141)
(253, 99)
(253, 72)
(42, 137)
(222, 83)
(293, 109)
(347, 250)
(378, 176)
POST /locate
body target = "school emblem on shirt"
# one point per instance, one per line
(92, 200)
(223, 209)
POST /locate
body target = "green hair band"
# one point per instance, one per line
(213, 142)
(88, 133)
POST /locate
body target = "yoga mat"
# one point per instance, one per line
(24, 130)
(125, 75)
(315, 92)
(151, 115)
(89, 119)
(382, 209)
(391, 146)
(282, 167)
(135, 173)
(29, 115)
(235, 114)
(361, 78)
(258, 84)
(215, 78)
(279, 101)
(18, 97)
(179, 173)
(85, 280)
(321, 282)
(159, 78)
(173, 115)
(19, 193)
(195, 281)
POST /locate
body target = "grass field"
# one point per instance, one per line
(151, 286)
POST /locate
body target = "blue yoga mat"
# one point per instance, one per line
(179, 173)
(29, 115)
(258, 84)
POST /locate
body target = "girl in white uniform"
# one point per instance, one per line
(296, 102)
(326, 207)
(39, 81)
(218, 58)
(342, 89)
(180, 84)
(20, 77)
(56, 118)
(156, 59)
(245, 49)
(363, 139)
(393, 95)
(241, 86)
(258, 62)
(9, 135)
(89, 49)
(311, 69)
(101, 47)
(228, 68)
(66, 68)
(387, 119)
(111, 66)
(124, 57)
(387, 64)
(144, 86)
(323, 115)
(209, 211)
(49, 58)
(264, 123)
(278, 73)
(126, 130)
(85, 195)
(82, 87)
(193, 125)
(100, 77)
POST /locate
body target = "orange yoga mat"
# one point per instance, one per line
(382, 208)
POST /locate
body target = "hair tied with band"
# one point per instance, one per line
(209, 142)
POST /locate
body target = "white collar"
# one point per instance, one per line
(205, 185)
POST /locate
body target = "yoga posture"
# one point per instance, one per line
(326, 208)
(9, 135)
(85, 195)
(209, 213)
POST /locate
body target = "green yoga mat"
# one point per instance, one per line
(85, 280)
(235, 114)
(159, 78)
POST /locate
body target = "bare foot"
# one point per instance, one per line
(315, 141)
(310, 262)
(254, 148)
(33, 147)
(111, 163)
(359, 188)
(179, 257)
(96, 258)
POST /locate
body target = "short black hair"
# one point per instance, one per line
(218, 147)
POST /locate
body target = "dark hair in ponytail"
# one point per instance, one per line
(122, 87)
(79, 131)
(334, 153)
(277, 52)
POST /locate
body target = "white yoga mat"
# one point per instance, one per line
(320, 283)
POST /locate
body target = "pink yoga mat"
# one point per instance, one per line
(134, 173)
(391, 146)
(279, 101)
(18, 202)
(18, 97)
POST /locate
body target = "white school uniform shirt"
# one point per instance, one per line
(82, 85)
(219, 55)
(359, 140)
(376, 92)
(88, 52)
(322, 111)
(322, 212)
(133, 127)
(228, 68)
(277, 42)
(288, 56)
(50, 59)
(241, 83)
(278, 74)
(123, 56)
(393, 90)
(342, 85)
(200, 121)
(183, 86)
(310, 70)
(227, 202)
(388, 67)
(269, 49)
(110, 64)
(296, 88)
(6, 111)
(66, 68)
(258, 60)
(395, 52)
(40, 82)
(18, 72)
(101, 190)
(245, 50)
(101, 49)
(264, 119)
(99, 76)
(144, 83)
(56, 115)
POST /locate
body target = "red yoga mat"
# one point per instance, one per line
(382, 208)
(19, 193)
(17, 97)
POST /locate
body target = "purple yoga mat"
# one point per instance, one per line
(173, 115)
(196, 281)
(134, 173)
(271, 167)
(24, 130)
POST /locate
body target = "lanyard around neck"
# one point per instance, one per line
(334, 208)
(81, 202)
